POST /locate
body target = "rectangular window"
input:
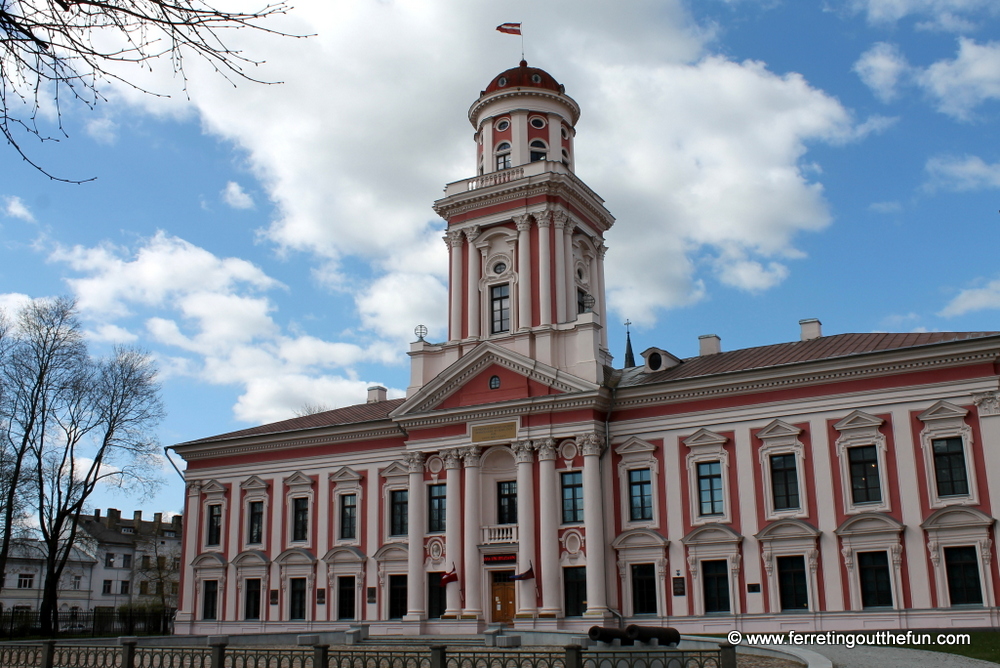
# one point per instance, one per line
(640, 494)
(213, 534)
(949, 467)
(251, 600)
(210, 599)
(159, 589)
(575, 590)
(345, 597)
(507, 502)
(27, 581)
(348, 516)
(77, 581)
(161, 563)
(147, 562)
(792, 583)
(716, 585)
(963, 576)
(710, 488)
(397, 596)
(435, 596)
(500, 309)
(143, 588)
(126, 561)
(296, 598)
(300, 519)
(436, 500)
(255, 523)
(123, 587)
(109, 560)
(399, 502)
(784, 482)
(572, 497)
(503, 161)
(643, 589)
(876, 585)
(581, 301)
(865, 485)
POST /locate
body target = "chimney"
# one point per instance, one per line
(811, 329)
(376, 393)
(157, 520)
(136, 518)
(97, 514)
(175, 522)
(114, 517)
(709, 344)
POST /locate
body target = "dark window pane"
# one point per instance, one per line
(784, 482)
(710, 488)
(210, 600)
(297, 598)
(792, 583)
(500, 309)
(399, 523)
(716, 585)
(349, 516)
(572, 500)
(949, 467)
(507, 502)
(575, 590)
(214, 530)
(255, 528)
(876, 584)
(963, 576)
(640, 495)
(397, 596)
(435, 596)
(865, 486)
(643, 589)
(436, 500)
(251, 601)
(345, 597)
(300, 518)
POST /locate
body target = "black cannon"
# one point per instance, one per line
(606, 634)
(664, 635)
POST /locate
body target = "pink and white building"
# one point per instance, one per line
(833, 482)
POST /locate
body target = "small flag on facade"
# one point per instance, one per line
(451, 576)
(527, 575)
(510, 28)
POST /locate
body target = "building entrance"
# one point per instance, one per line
(502, 596)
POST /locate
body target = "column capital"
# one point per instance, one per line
(415, 461)
(453, 238)
(988, 403)
(523, 222)
(471, 233)
(590, 444)
(471, 455)
(560, 218)
(544, 219)
(546, 449)
(523, 451)
(452, 458)
(602, 250)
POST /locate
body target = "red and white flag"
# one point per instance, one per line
(451, 576)
(510, 28)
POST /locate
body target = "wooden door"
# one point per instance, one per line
(502, 596)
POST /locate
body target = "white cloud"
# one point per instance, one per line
(15, 208)
(947, 15)
(962, 174)
(112, 334)
(885, 207)
(234, 195)
(102, 130)
(974, 299)
(881, 68)
(12, 302)
(962, 84)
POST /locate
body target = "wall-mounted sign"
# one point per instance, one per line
(320, 597)
(494, 432)
(499, 558)
(371, 594)
(753, 588)
(679, 586)
(274, 597)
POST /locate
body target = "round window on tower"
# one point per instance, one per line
(565, 133)
(499, 268)
(538, 122)
(503, 125)
(655, 361)
(502, 81)
(494, 382)
(536, 78)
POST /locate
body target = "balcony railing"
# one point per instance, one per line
(500, 533)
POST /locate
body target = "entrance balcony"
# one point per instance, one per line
(499, 533)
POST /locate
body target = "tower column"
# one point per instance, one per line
(472, 307)
(488, 162)
(570, 286)
(454, 240)
(518, 137)
(602, 297)
(473, 582)
(415, 550)
(593, 522)
(548, 518)
(453, 532)
(560, 219)
(525, 453)
(544, 268)
(523, 271)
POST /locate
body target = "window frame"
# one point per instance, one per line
(782, 439)
(299, 486)
(437, 507)
(864, 570)
(247, 599)
(705, 447)
(255, 490)
(506, 502)
(348, 516)
(945, 420)
(214, 600)
(502, 156)
(395, 479)
(872, 532)
(722, 577)
(300, 519)
(960, 526)
(497, 308)
(637, 454)
(347, 482)
(27, 581)
(860, 429)
(213, 525)
(577, 509)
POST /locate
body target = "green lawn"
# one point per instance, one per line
(985, 645)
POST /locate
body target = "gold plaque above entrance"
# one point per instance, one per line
(494, 432)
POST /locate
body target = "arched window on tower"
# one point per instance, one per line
(503, 156)
(539, 151)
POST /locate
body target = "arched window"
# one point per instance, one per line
(539, 151)
(503, 156)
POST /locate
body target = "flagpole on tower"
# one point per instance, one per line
(513, 29)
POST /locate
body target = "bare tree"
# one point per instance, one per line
(56, 49)
(156, 569)
(311, 409)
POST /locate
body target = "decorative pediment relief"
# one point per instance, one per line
(295, 555)
(711, 534)
(943, 410)
(255, 484)
(705, 438)
(637, 538)
(395, 470)
(298, 479)
(635, 446)
(213, 487)
(345, 474)
(859, 420)
(779, 430)
(957, 517)
(787, 530)
(869, 523)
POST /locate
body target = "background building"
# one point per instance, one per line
(22, 589)
(841, 481)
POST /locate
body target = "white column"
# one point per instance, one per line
(489, 162)
(544, 269)
(454, 240)
(601, 296)
(472, 306)
(555, 137)
(526, 598)
(453, 532)
(593, 522)
(570, 285)
(560, 219)
(473, 568)
(523, 271)
(548, 517)
(417, 521)
(518, 137)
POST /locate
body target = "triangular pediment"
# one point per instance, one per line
(635, 445)
(395, 470)
(778, 429)
(467, 381)
(859, 420)
(943, 410)
(214, 487)
(345, 474)
(253, 483)
(704, 437)
(298, 479)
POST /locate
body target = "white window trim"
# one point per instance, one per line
(872, 532)
(214, 494)
(790, 538)
(637, 454)
(396, 478)
(857, 430)
(391, 559)
(707, 446)
(575, 523)
(943, 530)
(298, 486)
(642, 546)
(781, 438)
(255, 489)
(347, 481)
(713, 543)
(946, 420)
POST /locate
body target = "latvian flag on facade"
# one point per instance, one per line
(510, 28)
(451, 576)
(527, 575)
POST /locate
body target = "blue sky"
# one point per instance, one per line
(766, 161)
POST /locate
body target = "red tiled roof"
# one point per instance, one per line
(522, 77)
(826, 347)
(368, 412)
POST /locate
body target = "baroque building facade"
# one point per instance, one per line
(833, 482)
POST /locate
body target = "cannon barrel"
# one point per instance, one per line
(608, 634)
(665, 635)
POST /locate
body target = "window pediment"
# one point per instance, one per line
(788, 530)
(298, 479)
(703, 438)
(391, 552)
(209, 560)
(295, 555)
(251, 558)
(711, 534)
(395, 470)
(957, 517)
(346, 475)
(636, 446)
(869, 523)
(779, 432)
(637, 538)
(255, 484)
(943, 410)
(858, 421)
(213, 487)
(344, 554)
